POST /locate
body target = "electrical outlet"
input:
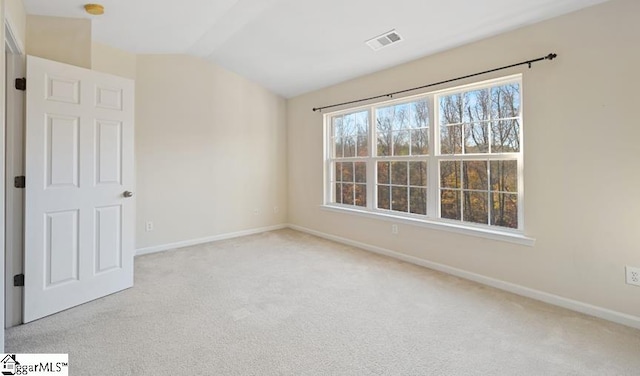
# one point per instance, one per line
(256, 211)
(148, 226)
(633, 275)
(394, 229)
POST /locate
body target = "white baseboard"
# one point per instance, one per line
(208, 239)
(574, 305)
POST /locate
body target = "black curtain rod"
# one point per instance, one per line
(551, 56)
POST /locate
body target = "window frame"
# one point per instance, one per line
(432, 218)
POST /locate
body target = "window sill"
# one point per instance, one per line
(487, 233)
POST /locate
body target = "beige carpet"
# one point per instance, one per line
(286, 303)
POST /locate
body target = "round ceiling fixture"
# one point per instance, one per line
(94, 9)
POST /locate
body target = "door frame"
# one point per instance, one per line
(13, 157)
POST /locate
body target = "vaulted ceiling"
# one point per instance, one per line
(295, 46)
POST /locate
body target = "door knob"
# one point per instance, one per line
(127, 194)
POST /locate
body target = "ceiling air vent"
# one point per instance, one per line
(384, 40)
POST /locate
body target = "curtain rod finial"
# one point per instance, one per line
(551, 56)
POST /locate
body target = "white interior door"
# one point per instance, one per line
(79, 163)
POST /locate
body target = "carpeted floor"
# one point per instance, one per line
(287, 303)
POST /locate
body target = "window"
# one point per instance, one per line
(350, 147)
(452, 156)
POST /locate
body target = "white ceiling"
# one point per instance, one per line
(295, 46)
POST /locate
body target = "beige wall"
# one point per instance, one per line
(17, 19)
(582, 180)
(210, 150)
(210, 145)
(67, 40)
(114, 61)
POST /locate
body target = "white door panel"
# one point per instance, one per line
(108, 152)
(79, 162)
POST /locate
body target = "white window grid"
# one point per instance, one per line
(433, 159)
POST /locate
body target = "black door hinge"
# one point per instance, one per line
(18, 280)
(21, 84)
(19, 182)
